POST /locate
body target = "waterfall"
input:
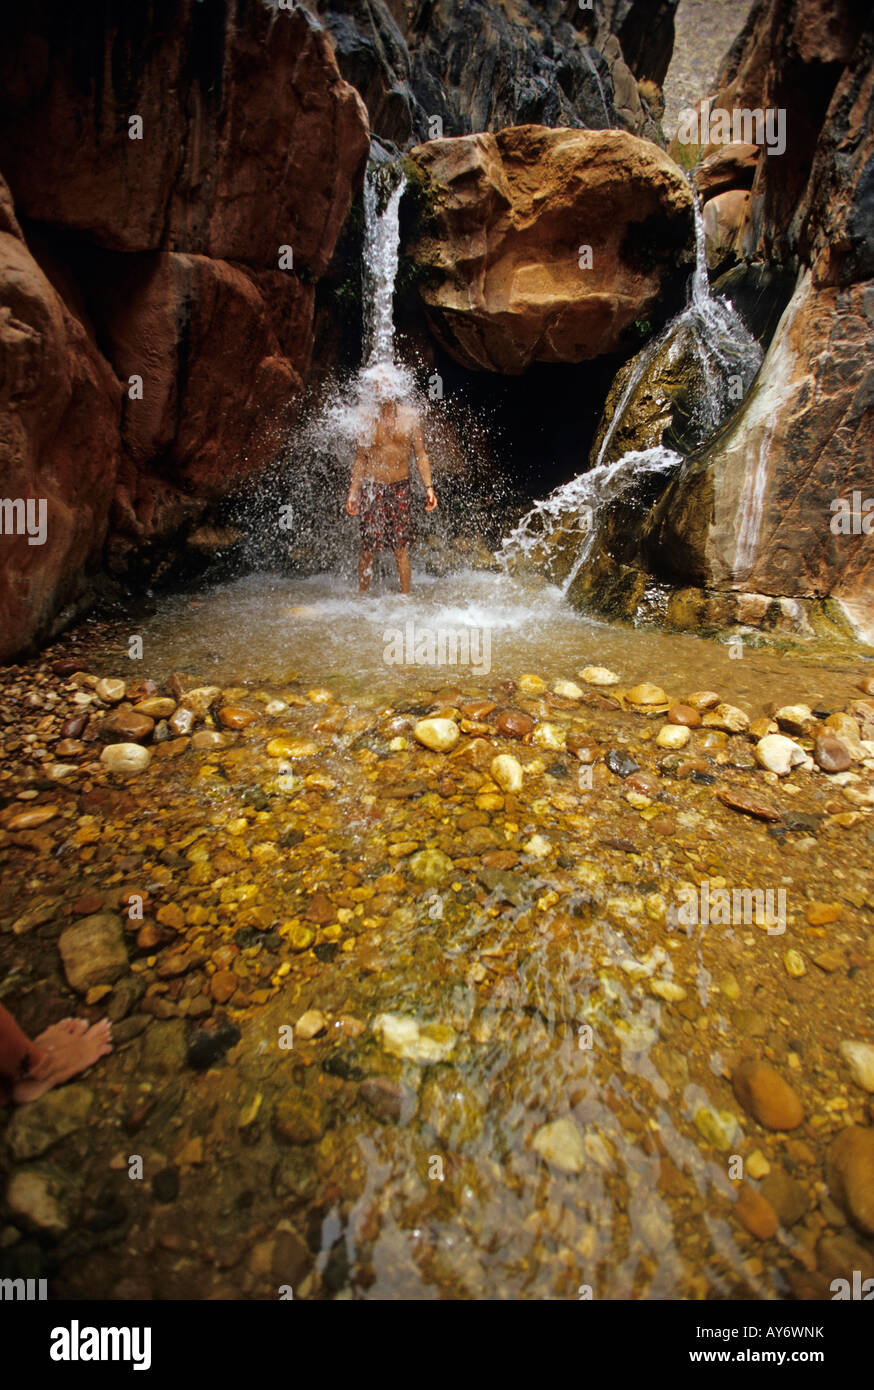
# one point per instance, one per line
(380, 266)
(725, 350)
(590, 64)
(728, 357)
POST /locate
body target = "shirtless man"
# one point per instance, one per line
(381, 477)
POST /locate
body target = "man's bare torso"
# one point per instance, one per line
(387, 451)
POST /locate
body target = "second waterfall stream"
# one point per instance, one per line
(708, 332)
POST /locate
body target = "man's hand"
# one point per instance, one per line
(352, 504)
(430, 499)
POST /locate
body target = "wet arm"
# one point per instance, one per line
(422, 463)
(358, 471)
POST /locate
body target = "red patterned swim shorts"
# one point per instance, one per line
(386, 518)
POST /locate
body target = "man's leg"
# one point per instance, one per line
(365, 570)
(403, 558)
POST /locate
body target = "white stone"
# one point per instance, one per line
(561, 1144)
(673, 736)
(507, 772)
(859, 1057)
(437, 734)
(548, 736)
(598, 675)
(110, 690)
(666, 989)
(569, 689)
(310, 1024)
(405, 1037)
(779, 754)
(125, 757)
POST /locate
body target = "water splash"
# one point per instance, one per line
(310, 479)
(573, 509)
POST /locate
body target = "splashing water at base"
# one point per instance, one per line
(574, 508)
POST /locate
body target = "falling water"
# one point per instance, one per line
(380, 268)
(721, 342)
(574, 507)
(727, 355)
(587, 59)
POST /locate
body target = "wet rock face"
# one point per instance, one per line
(508, 282)
(814, 61)
(492, 64)
(250, 142)
(758, 509)
(810, 403)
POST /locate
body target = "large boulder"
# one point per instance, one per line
(506, 278)
(60, 406)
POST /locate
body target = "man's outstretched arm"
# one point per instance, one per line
(424, 468)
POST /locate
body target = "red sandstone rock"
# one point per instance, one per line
(251, 139)
(59, 413)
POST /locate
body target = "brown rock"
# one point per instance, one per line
(233, 717)
(156, 707)
(283, 138)
(72, 728)
(749, 804)
(299, 1119)
(206, 739)
(32, 818)
(755, 1213)
(725, 218)
(320, 910)
(731, 166)
(479, 709)
(822, 914)
(183, 721)
(516, 292)
(514, 723)
(199, 699)
(684, 714)
(60, 408)
(93, 951)
(702, 700)
(123, 726)
(222, 985)
(850, 1175)
(766, 1096)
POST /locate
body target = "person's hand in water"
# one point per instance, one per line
(430, 499)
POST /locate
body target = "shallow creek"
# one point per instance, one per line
(547, 1108)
